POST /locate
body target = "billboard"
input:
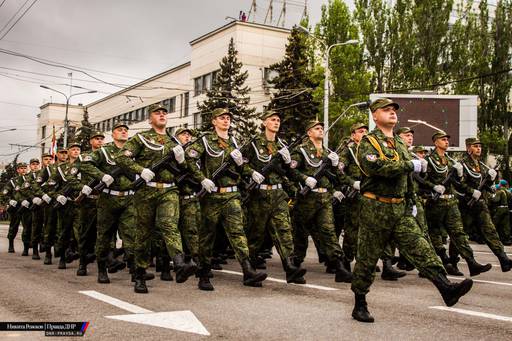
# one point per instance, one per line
(455, 114)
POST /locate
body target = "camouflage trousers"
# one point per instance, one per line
(115, 214)
(14, 224)
(501, 219)
(268, 210)
(87, 228)
(380, 224)
(479, 216)
(445, 213)
(313, 215)
(51, 225)
(190, 220)
(157, 212)
(68, 219)
(224, 209)
(351, 227)
(26, 221)
(37, 225)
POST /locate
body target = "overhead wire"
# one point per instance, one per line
(22, 15)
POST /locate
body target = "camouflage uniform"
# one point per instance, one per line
(26, 216)
(9, 192)
(37, 213)
(501, 214)
(386, 211)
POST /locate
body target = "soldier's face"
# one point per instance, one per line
(184, 137)
(22, 170)
(120, 134)
(316, 133)
(47, 160)
(222, 122)
(408, 138)
(421, 154)
(443, 143)
(385, 117)
(357, 135)
(74, 152)
(475, 149)
(272, 123)
(158, 119)
(96, 142)
(62, 156)
(34, 166)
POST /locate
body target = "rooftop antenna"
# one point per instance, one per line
(252, 11)
(282, 14)
(269, 11)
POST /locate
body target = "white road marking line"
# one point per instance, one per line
(115, 302)
(494, 265)
(277, 280)
(474, 313)
(482, 281)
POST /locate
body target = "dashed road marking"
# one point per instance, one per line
(474, 313)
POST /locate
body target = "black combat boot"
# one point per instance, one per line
(165, 274)
(346, 264)
(26, 246)
(82, 267)
(35, 252)
(505, 262)
(404, 264)
(140, 283)
(360, 312)
(11, 246)
(449, 264)
(451, 292)
(113, 264)
(293, 272)
(251, 277)
(42, 248)
(388, 272)
(48, 256)
(342, 274)
(259, 263)
(62, 261)
(476, 268)
(148, 276)
(102, 272)
(183, 270)
(204, 280)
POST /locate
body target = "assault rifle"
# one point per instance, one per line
(67, 191)
(481, 187)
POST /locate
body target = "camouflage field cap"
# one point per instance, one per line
(62, 150)
(182, 130)
(313, 123)
(96, 134)
(221, 111)
(383, 102)
(417, 149)
(74, 143)
(156, 107)
(472, 140)
(21, 164)
(358, 125)
(46, 155)
(439, 134)
(404, 130)
(268, 113)
(34, 160)
(119, 124)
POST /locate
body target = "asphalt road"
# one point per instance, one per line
(404, 310)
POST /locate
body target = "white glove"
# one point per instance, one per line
(13, 203)
(424, 165)
(107, 180)
(338, 195)
(147, 174)
(476, 194)
(492, 174)
(414, 211)
(37, 201)
(179, 154)
(335, 159)
(47, 198)
(357, 185)
(285, 154)
(417, 166)
(62, 199)
(25, 203)
(310, 182)
(236, 155)
(208, 185)
(459, 169)
(257, 177)
(439, 189)
(86, 190)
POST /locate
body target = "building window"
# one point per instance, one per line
(197, 120)
(185, 103)
(207, 82)
(172, 104)
(43, 132)
(198, 86)
(214, 76)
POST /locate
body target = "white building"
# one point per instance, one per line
(182, 87)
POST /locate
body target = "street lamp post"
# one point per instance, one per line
(327, 75)
(66, 121)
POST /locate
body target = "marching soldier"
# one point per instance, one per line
(221, 204)
(478, 178)
(36, 211)
(313, 212)
(500, 211)
(157, 203)
(11, 192)
(267, 208)
(387, 212)
(23, 195)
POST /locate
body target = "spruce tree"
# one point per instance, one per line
(228, 91)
